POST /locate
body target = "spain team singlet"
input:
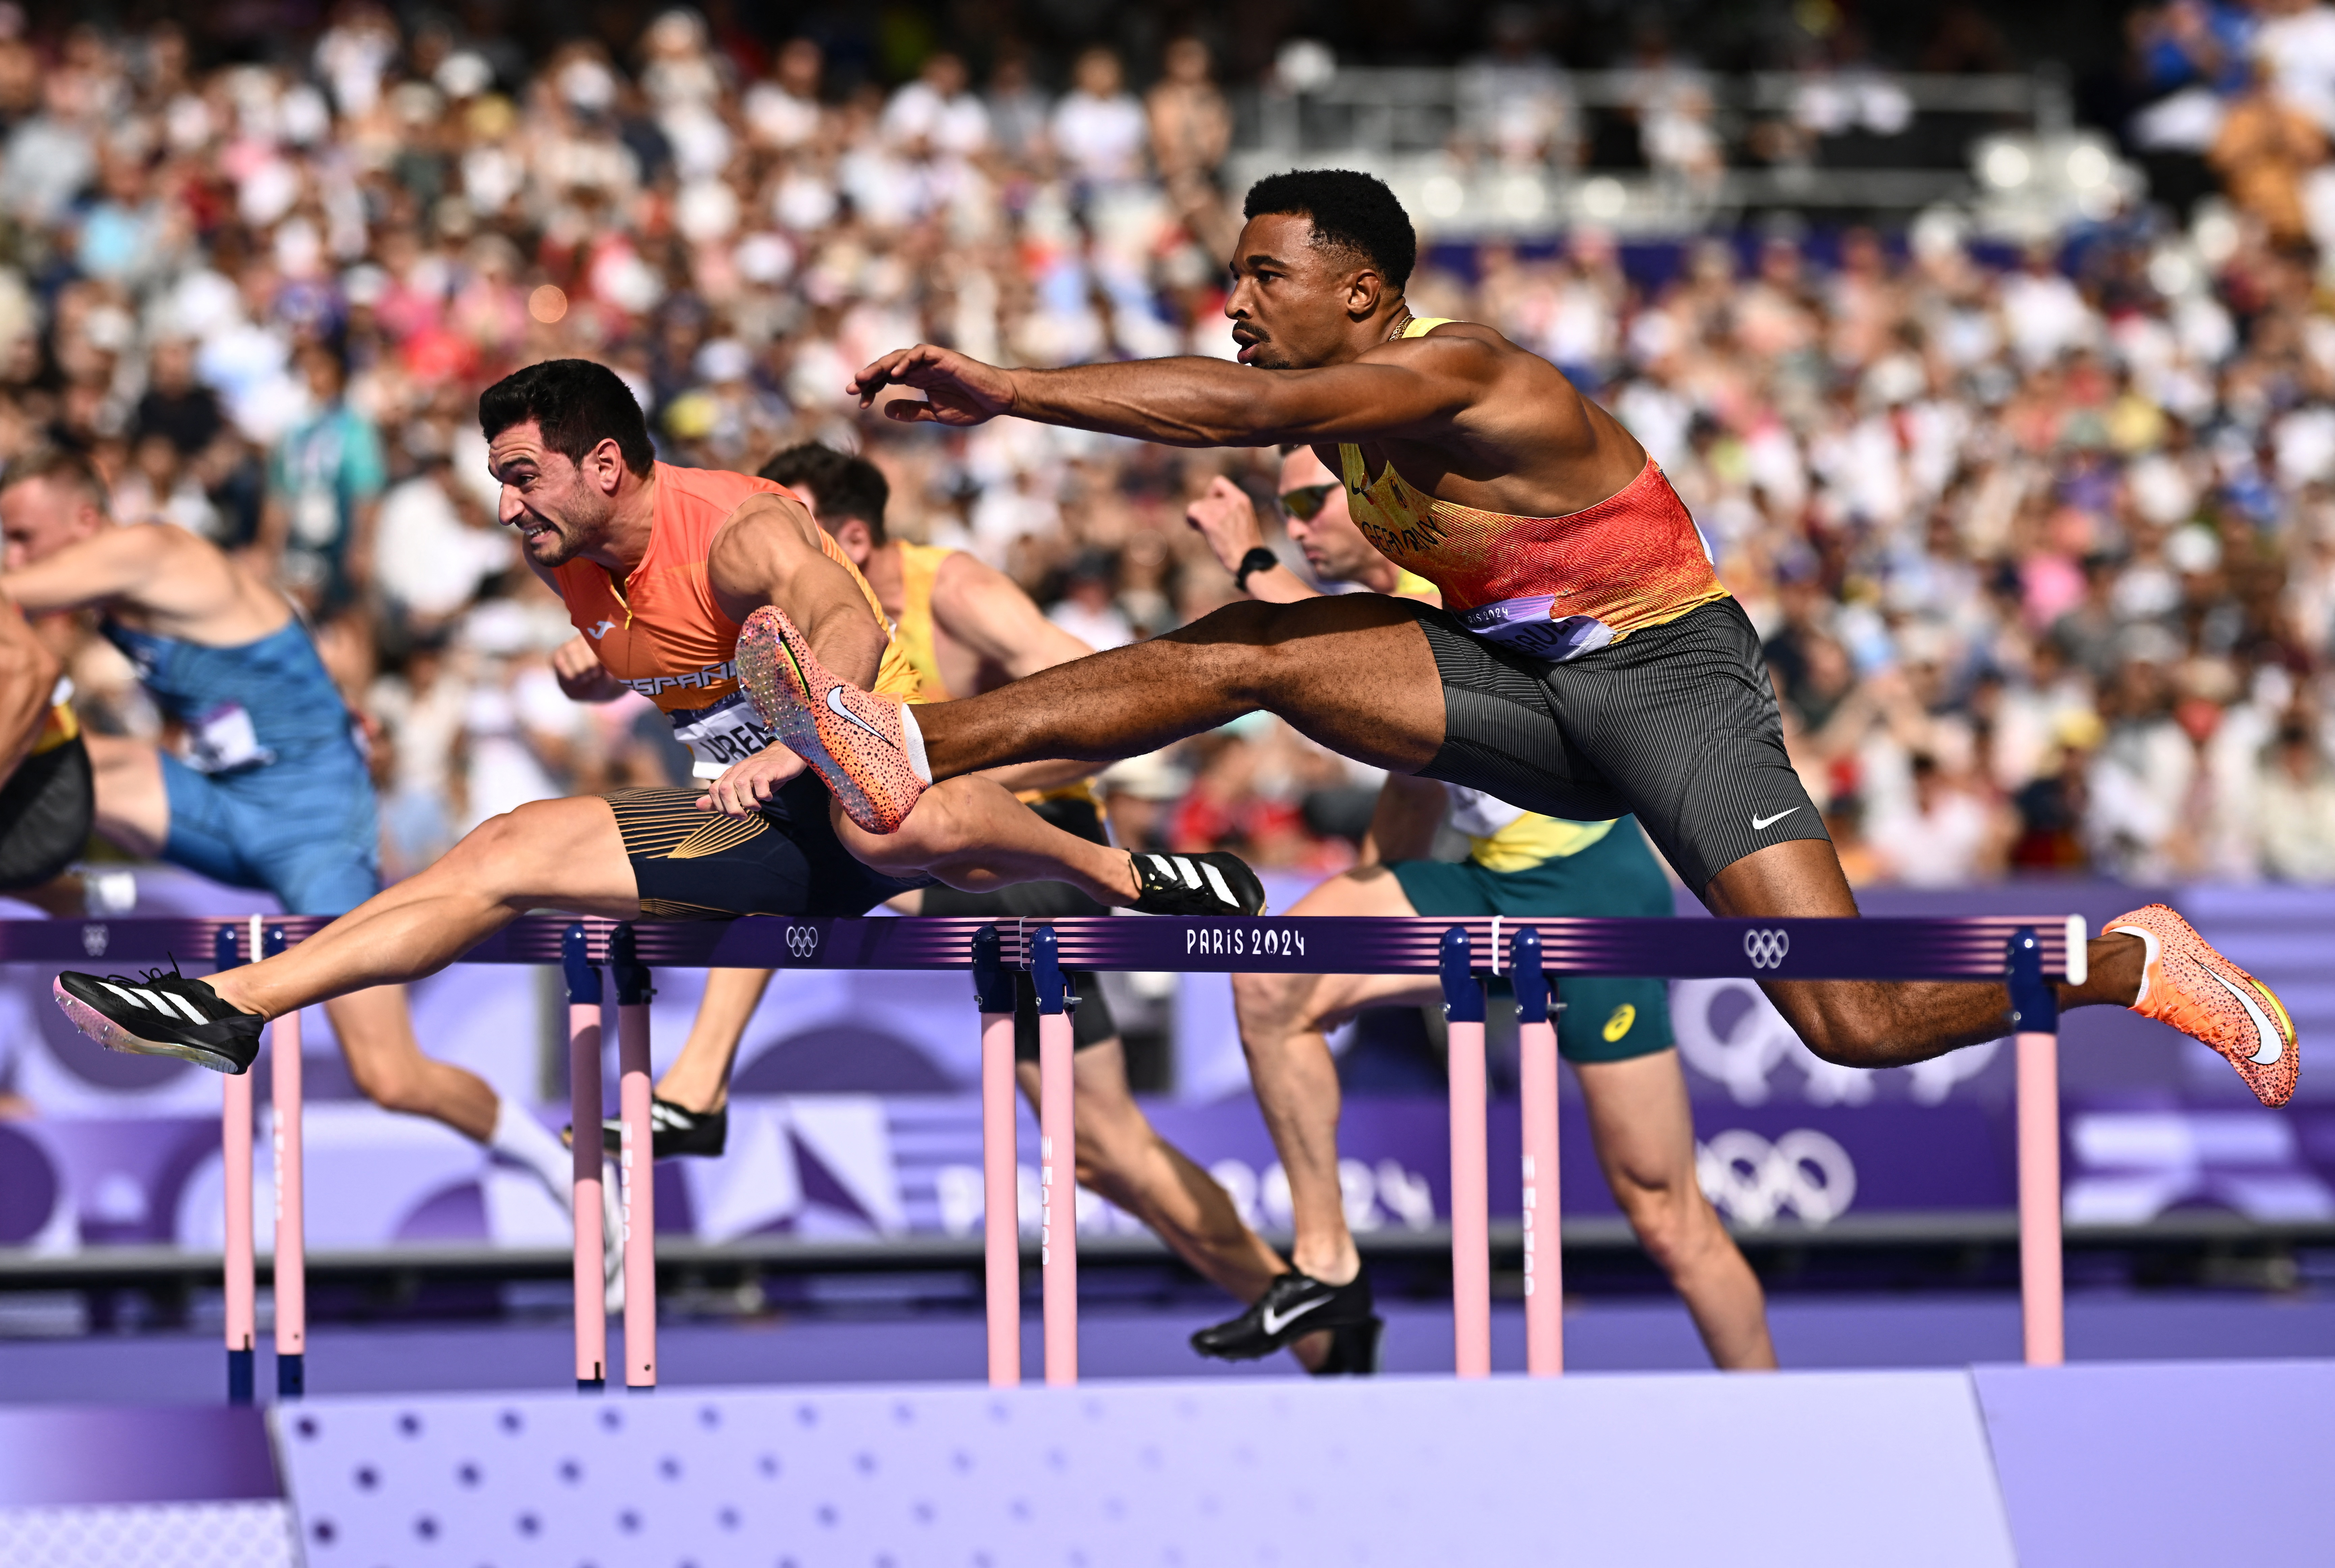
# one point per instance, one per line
(661, 632)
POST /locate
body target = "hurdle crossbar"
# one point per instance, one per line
(2020, 952)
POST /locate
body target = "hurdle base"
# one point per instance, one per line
(291, 1375)
(591, 1384)
(239, 1377)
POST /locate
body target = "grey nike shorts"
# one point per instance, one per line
(1675, 723)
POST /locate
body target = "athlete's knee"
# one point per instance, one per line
(1672, 1218)
(392, 1080)
(1269, 1008)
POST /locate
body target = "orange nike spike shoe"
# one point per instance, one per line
(858, 742)
(2187, 984)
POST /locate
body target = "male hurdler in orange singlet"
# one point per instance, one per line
(658, 567)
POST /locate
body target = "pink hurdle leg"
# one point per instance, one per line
(1058, 1189)
(584, 1118)
(1472, 1258)
(1536, 1083)
(1058, 1235)
(2042, 1297)
(1536, 1074)
(291, 1239)
(1471, 1224)
(234, 1159)
(1001, 1221)
(638, 1160)
(1001, 1197)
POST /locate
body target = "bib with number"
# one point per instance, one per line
(727, 732)
(223, 740)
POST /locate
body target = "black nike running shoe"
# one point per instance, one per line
(1215, 883)
(161, 1014)
(675, 1130)
(1291, 1307)
(1353, 1350)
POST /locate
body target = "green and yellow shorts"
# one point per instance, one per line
(1604, 1019)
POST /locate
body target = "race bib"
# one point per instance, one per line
(223, 740)
(1525, 626)
(729, 731)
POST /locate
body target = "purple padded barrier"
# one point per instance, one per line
(83, 1454)
(1797, 1472)
(2142, 1466)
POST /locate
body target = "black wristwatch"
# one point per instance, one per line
(1259, 559)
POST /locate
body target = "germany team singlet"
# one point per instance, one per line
(1550, 588)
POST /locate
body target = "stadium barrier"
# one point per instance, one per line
(2020, 952)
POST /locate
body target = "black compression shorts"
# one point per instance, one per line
(47, 808)
(1091, 1023)
(690, 864)
(1676, 724)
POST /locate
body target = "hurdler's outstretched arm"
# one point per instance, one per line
(1408, 388)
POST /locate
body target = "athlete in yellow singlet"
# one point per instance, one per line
(1586, 663)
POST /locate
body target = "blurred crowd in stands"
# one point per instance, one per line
(2043, 544)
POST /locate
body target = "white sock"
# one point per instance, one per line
(914, 739)
(523, 1140)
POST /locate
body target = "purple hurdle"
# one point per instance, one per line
(583, 1120)
(1001, 1218)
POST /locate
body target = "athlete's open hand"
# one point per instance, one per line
(957, 390)
(1226, 519)
(746, 786)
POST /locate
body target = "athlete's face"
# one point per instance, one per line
(560, 507)
(1334, 547)
(1294, 305)
(41, 516)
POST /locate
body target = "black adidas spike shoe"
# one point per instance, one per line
(1291, 1307)
(675, 1130)
(161, 1015)
(1353, 1350)
(1215, 883)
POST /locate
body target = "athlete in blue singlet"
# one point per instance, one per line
(270, 788)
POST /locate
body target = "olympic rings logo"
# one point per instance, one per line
(802, 941)
(1766, 949)
(1751, 1180)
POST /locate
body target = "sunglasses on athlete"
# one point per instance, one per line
(1306, 501)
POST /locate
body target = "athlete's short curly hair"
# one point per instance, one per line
(845, 487)
(578, 403)
(1351, 211)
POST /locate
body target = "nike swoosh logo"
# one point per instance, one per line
(1276, 1322)
(835, 706)
(2273, 1045)
(1759, 823)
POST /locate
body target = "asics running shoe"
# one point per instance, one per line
(2187, 984)
(855, 741)
(1293, 1306)
(161, 1014)
(1215, 883)
(675, 1130)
